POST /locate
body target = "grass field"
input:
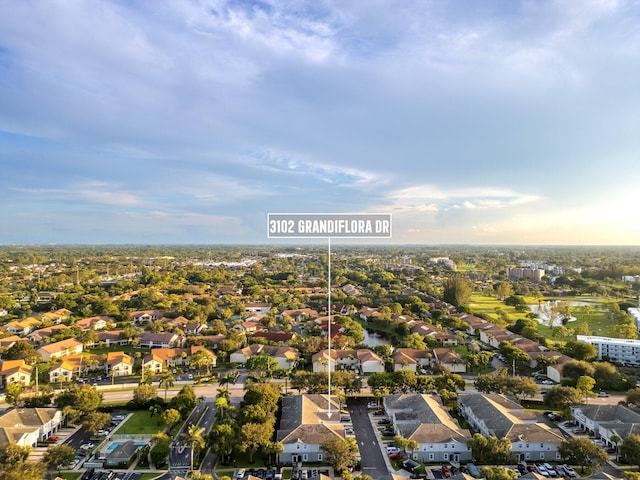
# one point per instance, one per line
(141, 422)
(598, 322)
(70, 475)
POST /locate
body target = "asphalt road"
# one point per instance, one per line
(373, 462)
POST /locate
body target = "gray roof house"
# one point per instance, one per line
(494, 414)
(305, 424)
(122, 454)
(422, 418)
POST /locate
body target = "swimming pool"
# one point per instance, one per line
(113, 445)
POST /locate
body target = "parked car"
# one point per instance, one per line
(603, 394)
(541, 470)
(372, 405)
(379, 412)
(446, 471)
(388, 432)
(391, 450)
(551, 470)
(240, 473)
(384, 421)
(52, 439)
(396, 456)
(345, 418)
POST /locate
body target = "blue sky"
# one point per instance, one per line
(498, 122)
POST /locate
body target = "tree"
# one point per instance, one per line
(254, 436)
(160, 451)
(503, 290)
(580, 350)
(575, 369)
(195, 439)
(491, 450)
(167, 381)
(340, 453)
(170, 416)
(13, 392)
(221, 439)
(185, 401)
(582, 451)
(22, 350)
(457, 290)
(14, 453)
(630, 449)
(633, 397)
(615, 439)
(83, 398)
(57, 456)
(22, 471)
(498, 473)
(562, 397)
(96, 421)
(144, 395)
(585, 386)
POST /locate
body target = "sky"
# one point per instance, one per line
(187, 122)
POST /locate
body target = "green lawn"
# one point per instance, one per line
(142, 423)
(598, 322)
(149, 476)
(70, 475)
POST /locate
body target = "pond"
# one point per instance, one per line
(373, 339)
(545, 313)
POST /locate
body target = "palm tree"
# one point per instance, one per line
(616, 439)
(222, 401)
(195, 439)
(167, 381)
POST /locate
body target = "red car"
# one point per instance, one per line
(52, 439)
(446, 471)
(396, 456)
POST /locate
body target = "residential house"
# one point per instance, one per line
(411, 359)
(363, 361)
(64, 348)
(57, 316)
(449, 359)
(494, 414)
(287, 357)
(605, 421)
(42, 334)
(257, 307)
(275, 337)
(475, 323)
(352, 290)
(9, 341)
(161, 359)
(160, 340)
(422, 418)
(367, 313)
(94, 323)
(118, 364)
(74, 366)
(28, 426)
(554, 372)
(23, 326)
(45, 297)
(146, 316)
(299, 314)
(15, 371)
(178, 322)
(307, 421)
(193, 328)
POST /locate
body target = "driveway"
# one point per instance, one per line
(372, 459)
